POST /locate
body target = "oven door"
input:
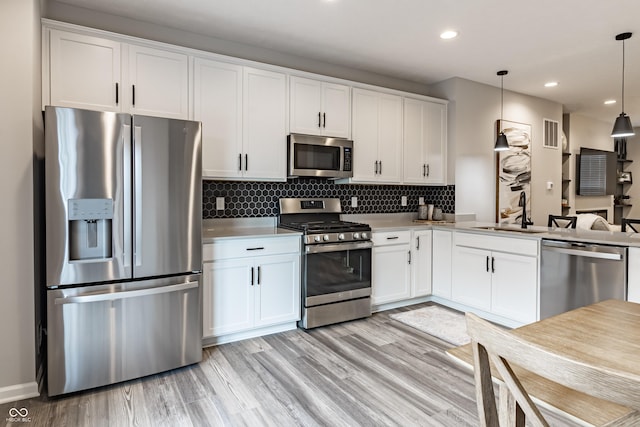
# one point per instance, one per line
(336, 272)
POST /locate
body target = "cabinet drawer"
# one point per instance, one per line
(242, 248)
(497, 243)
(391, 238)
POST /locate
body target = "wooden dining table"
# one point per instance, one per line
(605, 334)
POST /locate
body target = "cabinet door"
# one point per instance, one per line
(306, 106)
(421, 264)
(514, 288)
(390, 138)
(277, 289)
(227, 297)
(158, 83)
(391, 273)
(414, 145)
(218, 105)
(264, 133)
(84, 72)
(336, 110)
(441, 250)
(435, 135)
(365, 135)
(471, 284)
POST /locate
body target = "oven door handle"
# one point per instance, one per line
(316, 249)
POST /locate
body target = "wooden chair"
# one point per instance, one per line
(491, 343)
(629, 222)
(560, 221)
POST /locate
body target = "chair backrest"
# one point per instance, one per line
(491, 343)
(631, 223)
(562, 221)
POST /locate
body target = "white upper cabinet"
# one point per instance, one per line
(218, 105)
(84, 72)
(377, 137)
(425, 125)
(320, 108)
(244, 121)
(264, 134)
(90, 72)
(158, 83)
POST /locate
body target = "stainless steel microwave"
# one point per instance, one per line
(319, 156)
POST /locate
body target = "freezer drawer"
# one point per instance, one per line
(104, 334)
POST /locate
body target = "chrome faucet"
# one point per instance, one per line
(523, 203)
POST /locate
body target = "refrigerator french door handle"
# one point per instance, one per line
(110, 296)
(126, 204)
(137, 210)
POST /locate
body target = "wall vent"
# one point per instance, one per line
(551, 138)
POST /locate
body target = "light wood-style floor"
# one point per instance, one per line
(371, 372)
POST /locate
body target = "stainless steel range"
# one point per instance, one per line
(336, 261)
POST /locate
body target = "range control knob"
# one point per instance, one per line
(364, 235)
(356, 235)
(325, 237)
(317, 238)
(340, 236)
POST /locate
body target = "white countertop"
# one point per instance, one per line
(214, 229)
(217, 229)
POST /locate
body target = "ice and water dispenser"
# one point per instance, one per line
(90, 222)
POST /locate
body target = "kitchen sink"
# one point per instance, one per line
(510, 229)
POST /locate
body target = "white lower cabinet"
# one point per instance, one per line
(401, 264)
(421, 263)
(498, 275)
(391, 273)
(250, 284)
(441, 262)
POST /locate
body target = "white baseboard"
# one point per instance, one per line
(252, 333)
(16, 392)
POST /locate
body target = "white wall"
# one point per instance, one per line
(20, 128)
(474, 109)
(590, 133)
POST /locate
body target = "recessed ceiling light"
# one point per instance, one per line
(551, 84)
(449, 34)
(609, 101)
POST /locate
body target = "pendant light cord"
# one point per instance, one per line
(502, 99)
(623, 75)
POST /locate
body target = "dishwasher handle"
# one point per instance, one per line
(580, 250)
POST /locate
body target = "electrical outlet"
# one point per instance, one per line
(354, 202)
(403, 201)
(421, 200)
(219, 203)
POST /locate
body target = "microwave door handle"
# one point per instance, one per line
(137, 208)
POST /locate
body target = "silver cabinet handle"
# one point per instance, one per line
(260, 248)
(409, 257)
(246, 162)
(487, 264)
(427, 170)
(110, 296)
(375, 170)
(380, 167)
(258, 275)
(324, 120)
(393, 238)
(418, 243)
(493, 265)
(252, 278)
(240, 162)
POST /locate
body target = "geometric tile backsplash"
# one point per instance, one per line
(260, 199)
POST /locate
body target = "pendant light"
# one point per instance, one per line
(622, 127)
(501, 142)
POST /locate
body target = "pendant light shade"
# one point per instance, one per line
(501, 142)
(622, 127)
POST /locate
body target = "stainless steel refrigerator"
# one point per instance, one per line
(123, 246)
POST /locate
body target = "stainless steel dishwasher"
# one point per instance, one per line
(574, 274)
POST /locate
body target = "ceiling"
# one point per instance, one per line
(569, 41)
